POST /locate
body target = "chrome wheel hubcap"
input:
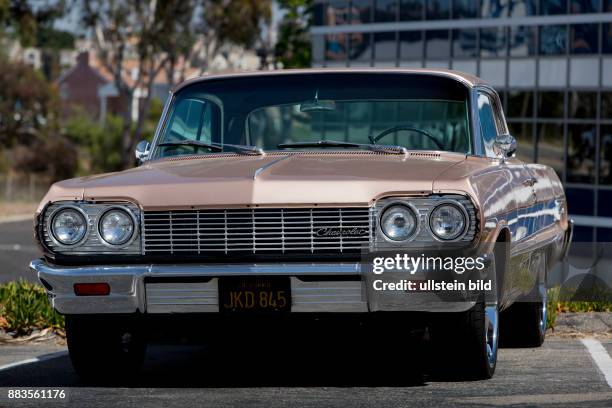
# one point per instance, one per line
(492, 330)
(543, 309)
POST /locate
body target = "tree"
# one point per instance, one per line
(21, 20)
(28, 104)
(164, 35)
(293, 47)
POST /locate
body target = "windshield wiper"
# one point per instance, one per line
(392, 149)
(217, 147)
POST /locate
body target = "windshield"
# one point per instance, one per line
(282, 112)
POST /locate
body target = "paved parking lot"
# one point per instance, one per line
(562, 373)
(17, 249)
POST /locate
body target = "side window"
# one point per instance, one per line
(191, 120)
(488, 127)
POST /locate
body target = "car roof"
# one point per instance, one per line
(467, 79)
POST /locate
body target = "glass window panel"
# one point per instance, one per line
(438, 9)
(385, 46)
(437, 44)
(493, 42)
(523, 41)
(606, 45)
(584, 6)
(465, 9)
(411, 45)
(604, 234)
(361, 11)
(502, 100)
(465, 43)
(522, 8)
(550, 105)
(605, 159)
(523, 132)
(553, 39)
(606, 105)
(385, 10)
(361, 47)
(520, 104)
(553, 7)
(550, 146)
(583, 105)
(581, 154)
(318, 14)
(494, 8)
(411, 10)
(580, 201)
(607, 29)
(337, 13)
(336, 47)
(488, 128)
(584, 39)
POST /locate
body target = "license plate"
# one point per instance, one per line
(255, 294)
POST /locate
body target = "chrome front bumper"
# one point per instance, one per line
(187, 289)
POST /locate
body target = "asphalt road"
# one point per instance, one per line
(17, 249)
(561, 373)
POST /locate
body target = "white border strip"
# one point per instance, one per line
(601, 358)
(34, 360)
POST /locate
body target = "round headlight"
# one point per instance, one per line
(447, 221)
(398, 222)
(116, 227)
(68, 226)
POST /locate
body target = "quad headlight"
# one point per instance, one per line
(447, 221)
(68, 226)
(116, 226)
(398, 222)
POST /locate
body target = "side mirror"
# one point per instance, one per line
(505, 145)
(142, 151)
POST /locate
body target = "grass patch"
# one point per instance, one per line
(24, 307)
(557, 304)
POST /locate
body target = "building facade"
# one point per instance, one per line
(550, 60)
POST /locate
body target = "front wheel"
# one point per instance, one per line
(524, 323)
(105, 349)
(465, 344)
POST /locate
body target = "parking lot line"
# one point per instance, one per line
(601, 357)
(38, 359)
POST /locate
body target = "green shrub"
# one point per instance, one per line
(557, 303)
(24, 307)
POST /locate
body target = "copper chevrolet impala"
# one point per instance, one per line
(265, 195)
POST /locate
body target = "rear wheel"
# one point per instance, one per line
(105, 349)
(524, 323)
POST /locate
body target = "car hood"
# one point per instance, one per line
(303, 178)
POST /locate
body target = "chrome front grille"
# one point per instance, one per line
(257, 230)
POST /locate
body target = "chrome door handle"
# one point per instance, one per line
(529, 182)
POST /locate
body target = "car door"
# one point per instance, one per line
(520, 275)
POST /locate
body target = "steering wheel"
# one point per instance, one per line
(386, 132)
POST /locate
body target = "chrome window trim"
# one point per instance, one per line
(135, 224)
